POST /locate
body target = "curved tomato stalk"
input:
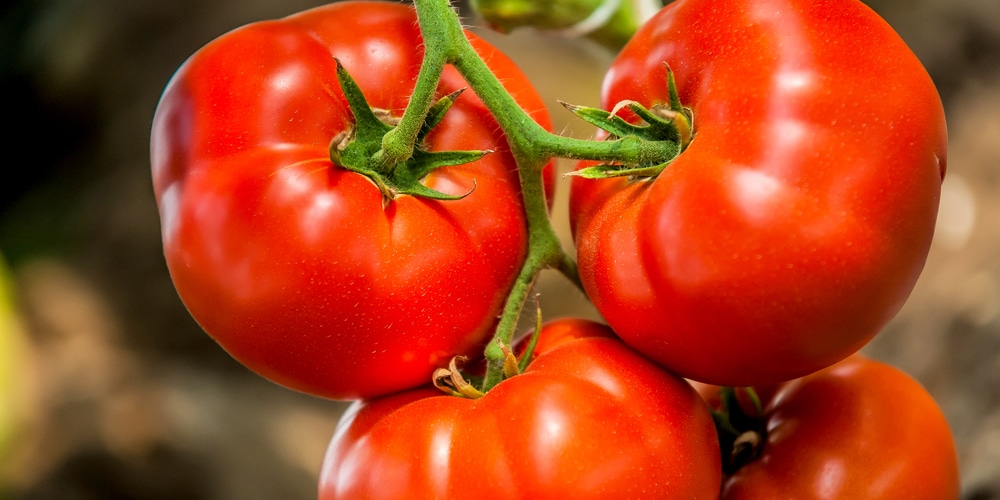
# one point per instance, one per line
(531, 145)
(456, 382)
(358, 151)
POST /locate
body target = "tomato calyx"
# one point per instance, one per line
(360, 148)
(670, 123)
(455, 382)
(742, 433)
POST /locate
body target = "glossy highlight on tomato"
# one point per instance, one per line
(291, 263)
(796, 223)
(588, 419)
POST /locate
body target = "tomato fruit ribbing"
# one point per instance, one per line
(291, 263)
(795, 224)
(588, 418)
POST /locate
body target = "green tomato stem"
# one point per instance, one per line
(398, 144)
(532, 146)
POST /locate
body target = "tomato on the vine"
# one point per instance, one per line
(588, 418)
(858, 429)
(297, 267)
(796, 222)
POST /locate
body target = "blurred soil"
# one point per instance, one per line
(129, 399)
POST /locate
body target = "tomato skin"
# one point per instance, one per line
(290, 263)
(589, 418)
(859, 429)
(796, 223)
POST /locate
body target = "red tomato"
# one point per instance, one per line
(859, 429)
(794, 226)
(290, 262)
(589, 418)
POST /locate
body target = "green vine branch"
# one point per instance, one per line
(533, 148)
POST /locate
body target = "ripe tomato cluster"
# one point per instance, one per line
(787, 228)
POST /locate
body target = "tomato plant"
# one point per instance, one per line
(764, 214)
(304, 271)
(859, 429)
(796, 222)
(588, 418)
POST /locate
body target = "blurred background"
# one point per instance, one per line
(109, 390)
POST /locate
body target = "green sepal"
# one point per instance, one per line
(675, 96)
(658, 123)
(422, 191)
(360, 149)
(529, 352)
(428, 161)
(607, 171)
(366, 124)
(669, 123)
(436, 113)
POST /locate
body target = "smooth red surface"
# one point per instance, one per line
(860, 429)
(797, 222)
(290, 262)
(589, 418)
